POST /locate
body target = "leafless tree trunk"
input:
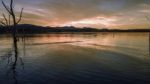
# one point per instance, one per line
(7, 23)
(10, 9)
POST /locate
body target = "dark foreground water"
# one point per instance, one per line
(97, 58)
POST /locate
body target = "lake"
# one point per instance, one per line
(76, 58)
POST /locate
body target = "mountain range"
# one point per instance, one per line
(28, 28)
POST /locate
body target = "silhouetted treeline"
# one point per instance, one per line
(31, 29)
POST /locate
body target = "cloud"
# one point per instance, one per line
(60, 12)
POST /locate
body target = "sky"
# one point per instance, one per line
(111, 14)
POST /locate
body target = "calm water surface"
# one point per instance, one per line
(89, 58)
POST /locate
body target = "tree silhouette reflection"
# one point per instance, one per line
(13, 61)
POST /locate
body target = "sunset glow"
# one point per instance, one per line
(104, 22)
(121, 14)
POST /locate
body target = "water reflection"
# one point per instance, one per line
(14, 61)
(77, 58)
(24, 44)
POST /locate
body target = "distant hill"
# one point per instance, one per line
(28, 28)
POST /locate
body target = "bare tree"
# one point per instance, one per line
(7, 22)
(10, 9)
